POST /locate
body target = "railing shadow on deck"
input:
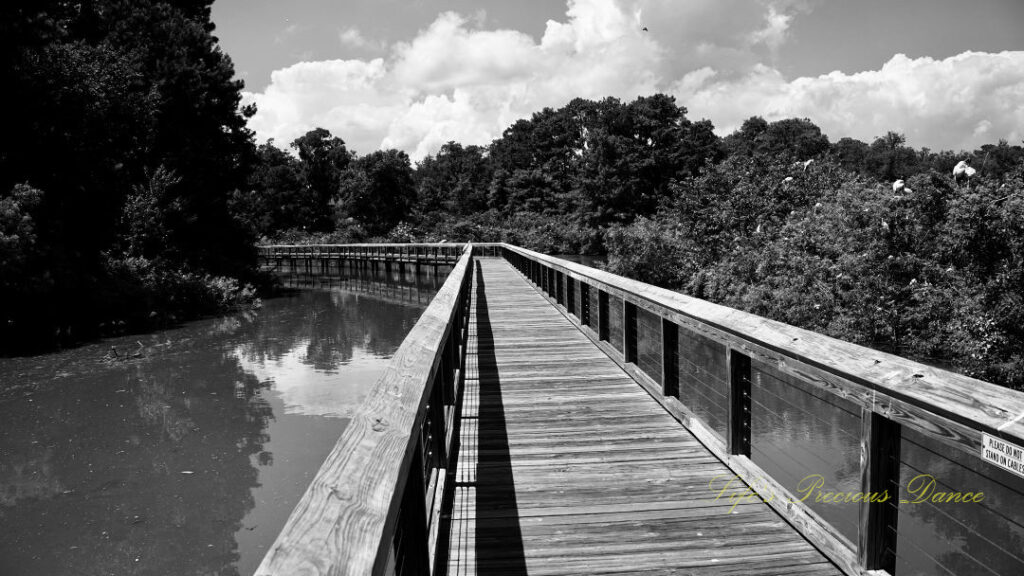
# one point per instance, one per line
(499, 537)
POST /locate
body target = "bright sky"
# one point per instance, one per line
(416, 74)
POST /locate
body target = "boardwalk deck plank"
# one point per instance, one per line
(567, 466)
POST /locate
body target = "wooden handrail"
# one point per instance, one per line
(892, 394)
(346, 521)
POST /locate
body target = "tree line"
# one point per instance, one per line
(132, 194)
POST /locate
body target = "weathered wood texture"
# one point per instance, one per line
(566, 466)
(345, 522)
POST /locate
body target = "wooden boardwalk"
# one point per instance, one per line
(567, 466)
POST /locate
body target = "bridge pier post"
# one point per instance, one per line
(629, 338)
(738, 441)
(880, 473)
(602, 315)
(669, 358)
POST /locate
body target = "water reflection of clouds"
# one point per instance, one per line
(311, 391)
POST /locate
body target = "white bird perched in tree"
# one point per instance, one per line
(960, 169)
(787, 179)
(897, 186)
(970, 171)
(808, 163)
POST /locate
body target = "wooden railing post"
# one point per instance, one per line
(669, 358)
(629, 332)
(570, 296)
(584, 304)
(879, 473)
(409, 554)
(738, 441)
(602, 315)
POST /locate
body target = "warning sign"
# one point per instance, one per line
(1003, 454)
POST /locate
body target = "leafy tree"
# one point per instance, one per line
(631, 152)
(743, 142)
(999, 160)
(797, 137)
(323, 157)
(107, 92)
(200, 130)
(378, 190)
(18, 237)
(146, 214)
(851, 154)
(455, 180)
(277, 198)
(889, 159)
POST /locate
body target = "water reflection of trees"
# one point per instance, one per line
(149, 466)
(338, 318)
(796, 433)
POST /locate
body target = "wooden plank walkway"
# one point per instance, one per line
(567, 466)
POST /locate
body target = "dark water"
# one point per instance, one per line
(189, 459)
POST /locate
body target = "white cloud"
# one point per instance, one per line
(774, 32)
(962, 101)
(457, 81)
(352, 37)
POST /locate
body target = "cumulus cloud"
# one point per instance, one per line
(962, 101)
(456, 80)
